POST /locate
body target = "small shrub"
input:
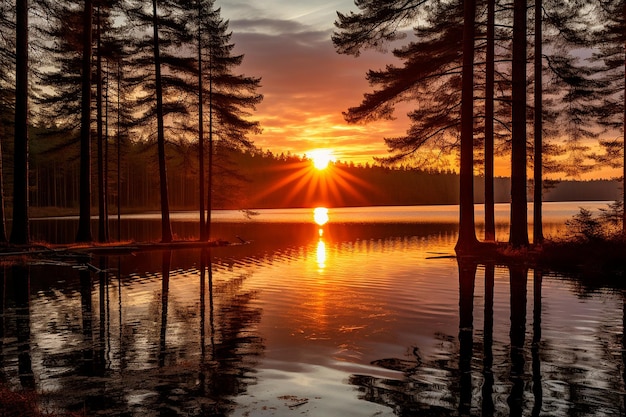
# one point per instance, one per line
(606, 226)
(585, 227)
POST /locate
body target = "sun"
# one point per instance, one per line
(321, 158)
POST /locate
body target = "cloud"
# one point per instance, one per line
(307, 85)
(267, 26)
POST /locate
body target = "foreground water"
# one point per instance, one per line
(370, 317)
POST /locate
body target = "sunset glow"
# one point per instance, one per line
(320, 215)
(321, 158)
(313, 187)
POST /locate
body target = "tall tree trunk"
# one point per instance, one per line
(519, 210)
(467, 234)
(203, 230)
(210, 167)
(20, 231)
(101, 191)
(106, 156)
(84, 221)
(490, 224)
(166, 228)
(119, 151)
(538, 130)
(3, 226)
(624, 133)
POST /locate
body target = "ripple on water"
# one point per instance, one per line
(332, 326)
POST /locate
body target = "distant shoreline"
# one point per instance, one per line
(66, 212)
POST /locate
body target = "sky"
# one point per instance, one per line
(305, 83)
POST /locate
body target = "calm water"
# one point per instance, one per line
(370, 318)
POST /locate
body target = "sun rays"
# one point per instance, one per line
(303, 184)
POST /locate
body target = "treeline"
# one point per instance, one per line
(261, 179)
(127, 77)
(536, 81)
(123, 80)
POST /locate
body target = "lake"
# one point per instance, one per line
(366, 315)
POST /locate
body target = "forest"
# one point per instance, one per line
(254, 178)
(133, 91)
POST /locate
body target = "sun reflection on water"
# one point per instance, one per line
(321, 255)
(320, 216)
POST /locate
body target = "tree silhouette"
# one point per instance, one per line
(490, 225)
(519, 221)
(538, 127)
(20, 233)
(84, 222)
(611, 40)
(228, 97)
(431, 71)
(161, 80)
(467, 234)
(7, 92)
(166, 228)
(379, 22)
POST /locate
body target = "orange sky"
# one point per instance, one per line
(307, 85)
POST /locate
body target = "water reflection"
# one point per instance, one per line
(413, 393)
(165, 289)
(487, 406)
(518, 280)
(78, 365)
(467, 276)
(536, 343)
(362, 321)
(321, 255)
(21, 279)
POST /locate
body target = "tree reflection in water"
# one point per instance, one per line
(518, 280)
(155, 365)
(21, 279)
(488, 381)
(466, 381)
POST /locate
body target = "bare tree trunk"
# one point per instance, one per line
(101, 191)
(166, 228)
(210, 167)
(519, 210)
(3, 226)
(84, 221)
(624, 129)
(467, 234)
(203, 230)
(490, 224)
(119, 152)
(538, 130)
(20, 230)
(106, 156)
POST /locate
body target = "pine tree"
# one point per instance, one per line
(538, 127)
(432, 72)
(84, 222)
(20, 233)
(611, 40)
(432, 65)
(467, 235)
(170, 71)
(519, 222)
(7, 94)
(490, 225)
(229, 97)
